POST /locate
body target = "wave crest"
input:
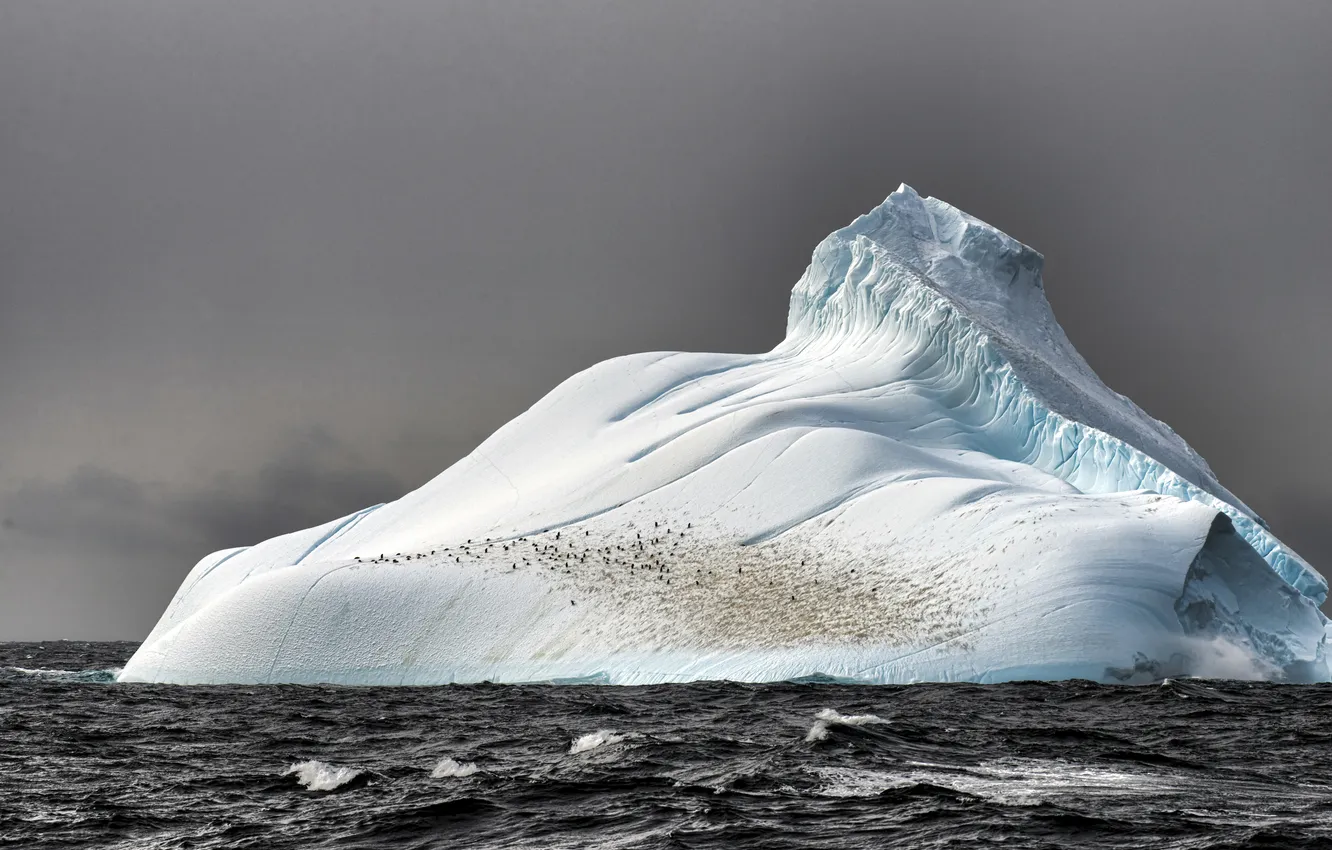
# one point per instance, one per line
(592, 740)
(828, 718)
(321, 776)
(449, 768)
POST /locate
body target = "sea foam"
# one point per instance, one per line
(449, 768)
(828, 718)
(319, 776)
(592, 740)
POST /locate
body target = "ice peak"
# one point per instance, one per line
(977, 266)
(951, 247)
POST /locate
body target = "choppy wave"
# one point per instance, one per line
(828, 718)
(592, 740)
(104, 676)
(1183, 764)
(1014, 782)
(448, 768)
(320, 776)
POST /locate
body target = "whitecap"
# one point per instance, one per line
(319, 776)
(44, 672)
(95, 676)
(828, 718)
(448, 768)
(1012, 782)
(592, 740)
(855, 782)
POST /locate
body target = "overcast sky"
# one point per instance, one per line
(262, 264)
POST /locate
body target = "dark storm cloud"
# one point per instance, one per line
(313, 479)
(403, 222)
(112, 527)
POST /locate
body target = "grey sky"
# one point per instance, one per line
(265, 263)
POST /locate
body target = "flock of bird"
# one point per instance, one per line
(561, 553)
(657, 581)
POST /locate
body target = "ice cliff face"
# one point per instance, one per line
(924, 480)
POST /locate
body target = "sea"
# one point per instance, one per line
(87, 762)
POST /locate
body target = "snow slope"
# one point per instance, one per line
(923, 481)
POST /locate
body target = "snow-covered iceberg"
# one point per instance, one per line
(923, 481)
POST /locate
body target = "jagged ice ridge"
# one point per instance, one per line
(923, 481)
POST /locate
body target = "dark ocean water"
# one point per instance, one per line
(1188, 764)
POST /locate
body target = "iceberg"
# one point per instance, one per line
(924, 481)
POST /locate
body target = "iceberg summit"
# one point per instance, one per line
(923, 482)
